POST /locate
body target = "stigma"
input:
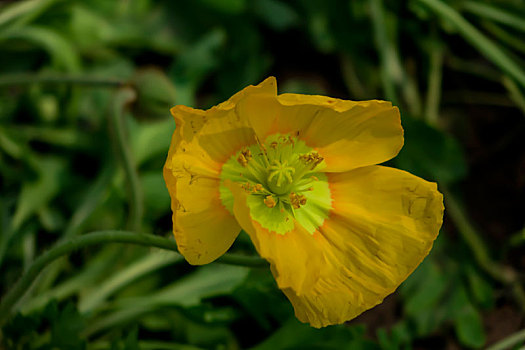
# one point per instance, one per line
(279, 171)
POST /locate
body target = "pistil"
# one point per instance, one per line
(279, 172)
(282, 179)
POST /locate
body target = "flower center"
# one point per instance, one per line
(282, 176)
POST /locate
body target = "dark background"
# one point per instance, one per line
(68, 130)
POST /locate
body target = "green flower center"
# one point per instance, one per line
(280, 176)
(283, 178)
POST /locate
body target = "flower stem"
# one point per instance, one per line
(518, 238)
(494, 13)
(435, 77)
(509, 342)
(386, 50)
(122, 98)
(515, 93)
(486, 46)
(466, 229)
(30, 78)
(101, 237)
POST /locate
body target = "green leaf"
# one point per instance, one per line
(296, 335)
(20, 329)
(88, 275)
(194, 64)
(495, 13)
(277, 14)
(65, 324)
(226, 6)
(156, 196)
(319, 24)
(480, 288)
(89, 29)
(150, 139)
(431, 287)
(206, 282)
(156, 93)
(93, 195)
(21, 12)
(65, 330)
(486, 46)
(423, 295)
(35, 195)
(457, 300)
(131, 341)
(51, 218)
(261, 298)
(430, 153)
(136, 270)
(61, 51)
(469, 327)
(385, 341)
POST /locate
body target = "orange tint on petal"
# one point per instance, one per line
(219, 131)
(348, 134)
(203, 140)
(204, 229)
(290, 255)
(383, 224)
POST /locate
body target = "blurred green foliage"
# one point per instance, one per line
(85, 92)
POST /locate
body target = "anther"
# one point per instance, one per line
(244, 157)
(313, 159)
(297, 200)
(269, 201)
(246, 187)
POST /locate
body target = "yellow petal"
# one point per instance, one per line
(294, 259)
(218, 131)
(169, 177)
(383, 225)
(204, 229)
(193, 183)
(348, 134)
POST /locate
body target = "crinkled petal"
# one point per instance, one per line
(194, 189)
(219, 131)
(348, 134)
(204, 229)
(294, 257)
(383, 224)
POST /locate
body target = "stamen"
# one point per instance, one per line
(269, 201)
(263, 151)
(244, 157)
(297, 200)
(280, 177)
(246, 187)
(290, 140)
(313, 159)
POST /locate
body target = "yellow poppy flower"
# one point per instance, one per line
(298, 173)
